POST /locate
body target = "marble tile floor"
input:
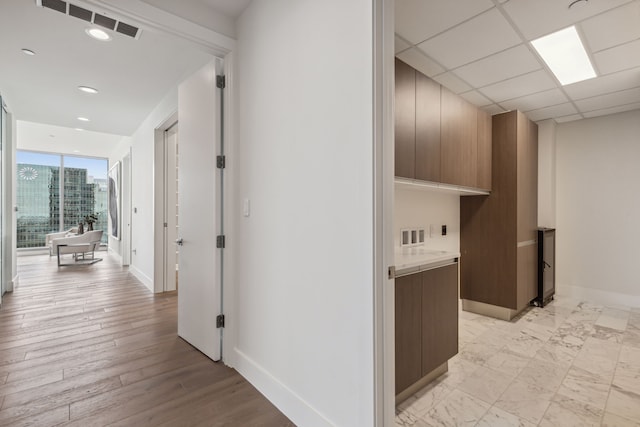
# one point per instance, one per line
(570, 363)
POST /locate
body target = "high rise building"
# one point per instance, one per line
(38, 200)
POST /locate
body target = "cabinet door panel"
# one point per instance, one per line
(427, 129)
(484, 150)
(439, 316)
(408, 292)
(458, 140)
(405, 120)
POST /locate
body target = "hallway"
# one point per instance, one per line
(91, 346)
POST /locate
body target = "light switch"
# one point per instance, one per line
(246, 207)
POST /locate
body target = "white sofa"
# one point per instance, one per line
(81, 246)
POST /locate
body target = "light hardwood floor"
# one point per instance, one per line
(91, 346)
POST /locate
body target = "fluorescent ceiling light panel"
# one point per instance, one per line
(565, 55)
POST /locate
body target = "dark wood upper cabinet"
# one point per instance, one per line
(405, 120)
(458, 140)
(427, 129)
(439, 136)
(484, 150)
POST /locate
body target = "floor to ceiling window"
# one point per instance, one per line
(57, 192)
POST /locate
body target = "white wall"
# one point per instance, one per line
(9, 254)
(547, 173)
(116, 154)
(141, 144)
(304, 256)
(598, 207)
(420, 208)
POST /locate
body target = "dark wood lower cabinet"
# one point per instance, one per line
(426, 323)
(408, 338)
(439, 316)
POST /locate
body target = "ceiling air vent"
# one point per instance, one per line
(92, 17)
(58, 5)
(126, 29)
(78, 12)
(104, 21)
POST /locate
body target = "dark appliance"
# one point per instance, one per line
(546, 266)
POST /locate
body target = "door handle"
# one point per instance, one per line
(180, 241)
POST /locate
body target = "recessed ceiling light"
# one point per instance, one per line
(98, 34)
(76, 151)
(28, 52)
(83, 119)
(565, 55)
(79, 129)
(88, 89)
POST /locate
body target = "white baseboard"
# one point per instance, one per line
(15, 283)
(598, 296)
(114, 254)
(146, 280)
(285, 399)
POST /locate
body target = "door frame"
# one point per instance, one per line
(383, 177)
(126, 209)
(159, 203)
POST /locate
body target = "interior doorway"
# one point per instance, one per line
(171, 209)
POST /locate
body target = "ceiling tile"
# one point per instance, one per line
(479, 37)
(618, 58)
(417, 20)
(536, 18)
(452, 82)
(570, 118)
(622, 25)
(605, 84)
(550, 112)
(536, 101)
(517, 87)
(420, 62)
(401, 44)
(609, 100)
(500, 66)
(493, 109)
(614, 110)
(476, 98)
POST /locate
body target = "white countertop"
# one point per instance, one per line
(414, 259)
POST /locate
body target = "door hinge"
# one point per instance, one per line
(220, 241)
(220, 321)
(221, 162)
(221, 82)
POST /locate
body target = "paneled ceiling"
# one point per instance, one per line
(480, 49)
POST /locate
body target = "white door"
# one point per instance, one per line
(199, 198)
